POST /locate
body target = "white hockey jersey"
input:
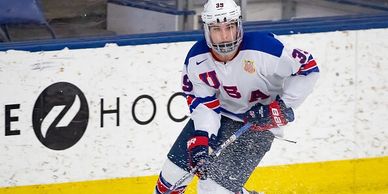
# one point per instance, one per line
(262, 69)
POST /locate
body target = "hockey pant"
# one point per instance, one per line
(229, 171)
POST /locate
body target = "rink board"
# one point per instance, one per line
(362, 176)
(340, 128)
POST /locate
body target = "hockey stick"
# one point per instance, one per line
(284, 139)
(213, 155)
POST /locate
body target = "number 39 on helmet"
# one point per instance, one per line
(222, 11)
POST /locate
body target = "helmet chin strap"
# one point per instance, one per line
(226, 48)
(224, 57)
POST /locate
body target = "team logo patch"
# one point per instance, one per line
(249, 66)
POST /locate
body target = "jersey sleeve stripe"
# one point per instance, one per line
(210, 101)
(213, 104)
(311, 64)
(190, 99)
(309, 67)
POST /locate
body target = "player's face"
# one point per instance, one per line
(225, 32)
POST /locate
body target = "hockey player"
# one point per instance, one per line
(230, 78)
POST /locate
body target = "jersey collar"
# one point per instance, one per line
(219, 60)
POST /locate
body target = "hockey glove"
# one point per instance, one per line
(265, 117)
(198, 148)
